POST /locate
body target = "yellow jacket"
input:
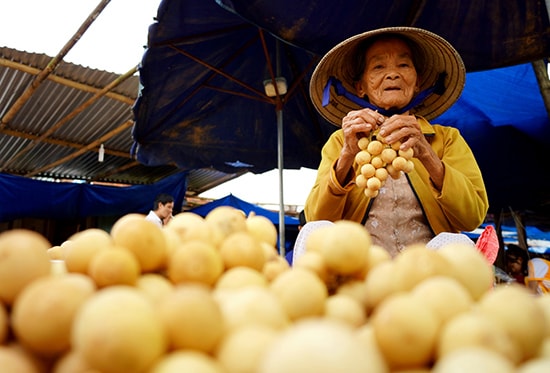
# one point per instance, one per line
(461, 205)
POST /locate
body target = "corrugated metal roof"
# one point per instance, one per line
(52, 128)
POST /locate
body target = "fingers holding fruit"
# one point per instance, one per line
(378, 160)
(401, 130)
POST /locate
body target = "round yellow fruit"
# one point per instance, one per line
(371, 193)
(119, 330)
(195, 261)
(388, 155)
(225, 220)
(4, 323)
(445, 295)
(363, 142)
(473, 359)
(469, 267)
(361, 181)
(405, 330)
(374, 183)
(407, 154)
(317, 345)
(83, 246)
(43, 313)
(375, 147)
(190, 226)
(155, 286)
(377, 162)
(274, 267)
(368, 170)
(362, 157)
(377, 255)
(173, 240)
(240, 277)
(126, 219)
(114, 266)
(242, 349)
(262, 229)
(313, 261)
(346, 309)
(192, 318)
(514, 309)
(24, 258)
(301, 293)
(475, 329)
(241, 249)
(143, 239)
(381, 174)
(417, 263)
(355, 289)
(399, 163)
(71, 362)
(345, 247)
(380, 284)
(13, 361)
(187, 361)
(252, 305)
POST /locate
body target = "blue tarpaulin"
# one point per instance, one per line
(246, 207)
(22, 197)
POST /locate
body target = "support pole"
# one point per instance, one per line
(282, 248)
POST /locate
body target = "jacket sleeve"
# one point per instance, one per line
(463, 198)
(328, 200)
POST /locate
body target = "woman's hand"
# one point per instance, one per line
(406, 129)
(356, 124)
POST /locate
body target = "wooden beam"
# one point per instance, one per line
(67, 82)
(541, 72)
(60, 142)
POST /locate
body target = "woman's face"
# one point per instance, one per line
(390, 79)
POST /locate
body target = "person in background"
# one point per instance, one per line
(516, 263)
(390, 82)
(162, 210)
(538, 275)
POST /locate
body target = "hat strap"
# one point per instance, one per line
(438, 88)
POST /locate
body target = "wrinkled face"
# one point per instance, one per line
(165, 211)
(390, 80)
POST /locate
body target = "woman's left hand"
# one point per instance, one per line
(406, 129)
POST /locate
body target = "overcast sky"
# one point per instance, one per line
(114, 42)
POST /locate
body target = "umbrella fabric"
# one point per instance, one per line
(202, 102)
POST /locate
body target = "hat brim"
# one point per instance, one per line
(437, 56)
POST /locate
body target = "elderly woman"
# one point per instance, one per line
(392, 81)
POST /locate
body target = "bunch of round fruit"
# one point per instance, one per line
(377, 160)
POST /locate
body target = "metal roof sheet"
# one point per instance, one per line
(54, 133)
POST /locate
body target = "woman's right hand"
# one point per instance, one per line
(357, 124)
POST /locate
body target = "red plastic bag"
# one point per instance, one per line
(488, 244)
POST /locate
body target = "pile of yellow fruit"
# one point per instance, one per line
(212, 295)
